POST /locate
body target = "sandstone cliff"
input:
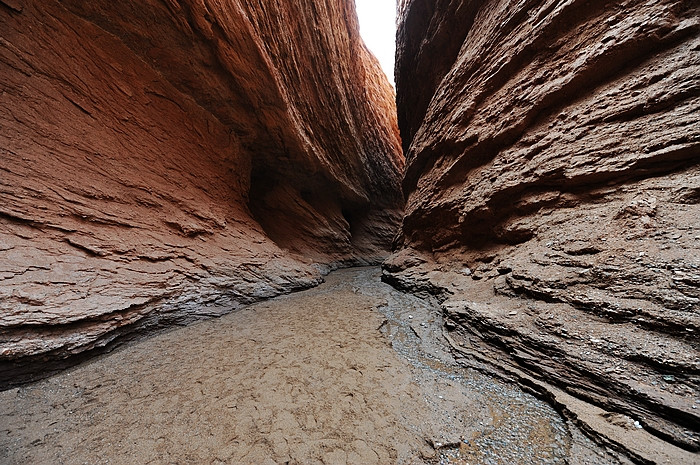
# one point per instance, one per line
(553, 188)
(161, 161)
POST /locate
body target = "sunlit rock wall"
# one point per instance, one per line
(161, 161)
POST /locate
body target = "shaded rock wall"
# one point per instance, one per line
(161, 161)
(552, 184)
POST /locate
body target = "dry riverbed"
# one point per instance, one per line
(350, 372)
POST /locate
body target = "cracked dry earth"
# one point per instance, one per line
(350, 372)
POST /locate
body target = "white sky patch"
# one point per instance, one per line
(378, 29)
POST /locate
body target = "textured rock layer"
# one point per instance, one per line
(553, 189)
(166, 160)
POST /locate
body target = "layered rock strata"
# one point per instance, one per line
(161, 161)
(553, 197)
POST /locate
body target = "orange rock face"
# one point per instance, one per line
(164, 161)
(552, 183)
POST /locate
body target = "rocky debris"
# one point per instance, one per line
(552, 187)
(159, 156)
(581, 363)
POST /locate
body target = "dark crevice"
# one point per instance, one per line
(298, 212)
(421, 34)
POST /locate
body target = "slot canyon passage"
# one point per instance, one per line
(518, 228)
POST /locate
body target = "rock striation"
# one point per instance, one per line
(553, 199)
(163, 161)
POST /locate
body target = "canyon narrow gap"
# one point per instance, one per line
(524, 210)
(159, 156)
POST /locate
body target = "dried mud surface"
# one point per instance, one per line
(350, 372)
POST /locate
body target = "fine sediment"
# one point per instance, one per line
(352, 371)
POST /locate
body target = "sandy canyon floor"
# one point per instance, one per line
(350, 372)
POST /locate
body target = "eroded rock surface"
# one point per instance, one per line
(552, 183)
(158, 155)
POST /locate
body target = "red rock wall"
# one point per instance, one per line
(161, 161)
(552, 183)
